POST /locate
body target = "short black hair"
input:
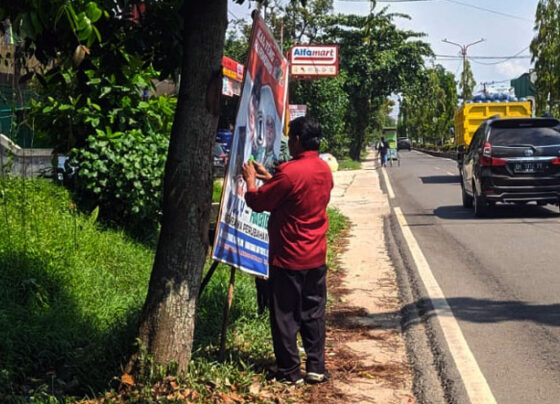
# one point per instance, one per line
(308, 130)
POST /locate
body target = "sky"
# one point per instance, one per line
(505, 25)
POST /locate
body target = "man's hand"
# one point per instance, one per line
(261, 172)
(249, 174)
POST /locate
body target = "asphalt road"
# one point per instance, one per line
(500, 276)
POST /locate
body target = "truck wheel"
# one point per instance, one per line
(467, 199)
(480, 205)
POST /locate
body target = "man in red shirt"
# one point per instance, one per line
(296, 196)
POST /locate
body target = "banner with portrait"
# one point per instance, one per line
(241, 234)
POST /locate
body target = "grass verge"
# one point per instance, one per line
(349, 165)
(71, 294)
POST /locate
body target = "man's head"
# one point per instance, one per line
(305, 134)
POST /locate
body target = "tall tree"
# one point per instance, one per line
(168, 318)
(379, 59)
(545, 49)
(467, 83)
(428, 106)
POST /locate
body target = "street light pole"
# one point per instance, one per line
(464, 54)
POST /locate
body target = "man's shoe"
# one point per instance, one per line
(297, 383)
(316, 378)
(275, 377)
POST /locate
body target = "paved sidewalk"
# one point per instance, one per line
(385, 375)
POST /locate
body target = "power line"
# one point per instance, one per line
(502, 61)
(485, 57)
(488, 10)
(449, 1)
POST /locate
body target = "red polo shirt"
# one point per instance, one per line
(296, 197)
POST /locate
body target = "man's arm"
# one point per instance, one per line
(270, 194)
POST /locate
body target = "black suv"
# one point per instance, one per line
(404, 143)
(512, 160)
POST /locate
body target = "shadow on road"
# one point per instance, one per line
(441, 179)
(500, 211)
(491, 311)
(462, 308)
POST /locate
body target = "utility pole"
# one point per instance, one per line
(464, 54)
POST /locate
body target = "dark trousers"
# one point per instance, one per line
(297, 303)
(262, 294)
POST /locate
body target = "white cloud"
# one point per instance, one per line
(512, 68)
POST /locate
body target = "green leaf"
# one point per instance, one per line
(93, 12)
(93, 215)
(104, 91)
(96, 32)
(85, 32)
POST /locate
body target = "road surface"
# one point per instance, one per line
(500, 276)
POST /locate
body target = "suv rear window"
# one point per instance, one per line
(525, 136)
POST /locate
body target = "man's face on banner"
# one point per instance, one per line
(270, 132)
(240, 186)
(252, 118)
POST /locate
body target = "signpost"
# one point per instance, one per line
(312, 61)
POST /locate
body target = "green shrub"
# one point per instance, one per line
(123, 174)
(118, 140)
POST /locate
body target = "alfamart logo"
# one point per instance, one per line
(314, 54)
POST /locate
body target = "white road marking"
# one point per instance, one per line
(437, 168)
(388, 184)
(475, 383)
(450, 173)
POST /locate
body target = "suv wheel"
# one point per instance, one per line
(467, 199)
(480, 204)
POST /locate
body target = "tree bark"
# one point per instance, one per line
(168, 317)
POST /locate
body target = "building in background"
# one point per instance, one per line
(524, 85)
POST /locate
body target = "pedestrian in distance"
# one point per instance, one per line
(296, 196)
(383, 149)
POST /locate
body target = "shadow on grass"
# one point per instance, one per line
(46, 339)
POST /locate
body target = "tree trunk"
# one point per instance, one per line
(168, 317)
(357, 142)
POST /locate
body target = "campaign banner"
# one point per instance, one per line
(241, 234)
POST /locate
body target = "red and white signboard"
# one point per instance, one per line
(297, 111)
(232, 69)
(232, 77)
(314, 60)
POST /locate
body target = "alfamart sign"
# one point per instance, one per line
(314, 60)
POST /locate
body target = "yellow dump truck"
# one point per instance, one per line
(470, 115)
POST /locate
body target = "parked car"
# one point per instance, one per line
(220, 159)
(512, 160)
(404, 143)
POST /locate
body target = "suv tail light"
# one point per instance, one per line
(555, 161)
(486, 160)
